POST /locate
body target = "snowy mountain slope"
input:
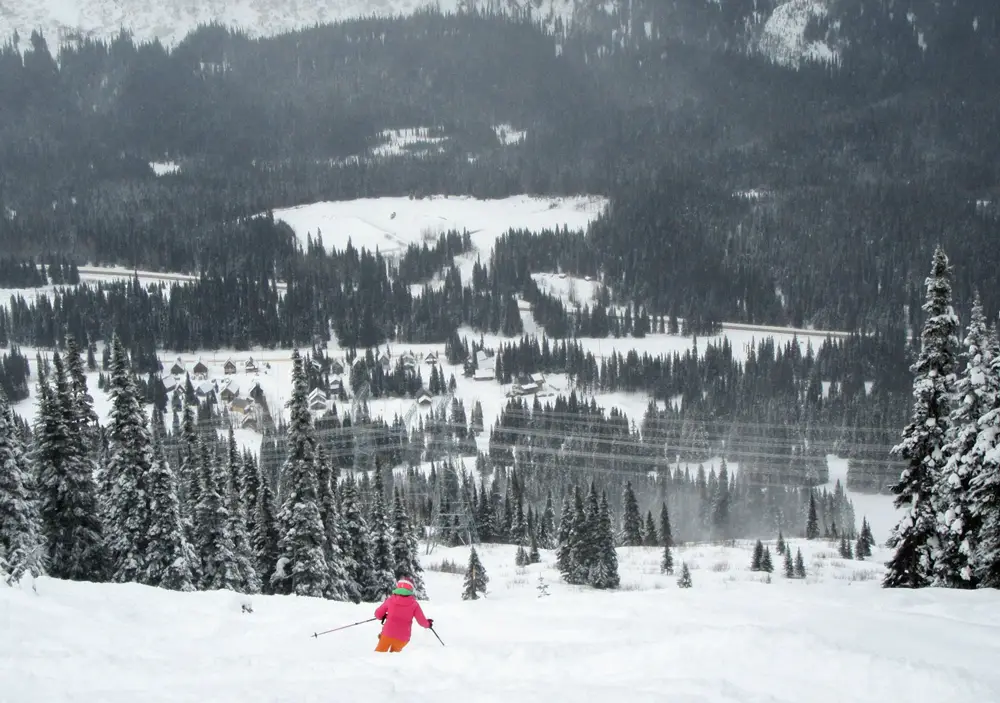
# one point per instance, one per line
(171, 20)
(837, 636)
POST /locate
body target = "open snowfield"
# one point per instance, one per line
(392, 224)
(836, 637)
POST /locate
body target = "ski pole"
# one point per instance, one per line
(436, 635)
(344, 627)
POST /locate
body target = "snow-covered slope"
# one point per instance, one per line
(731, 638)
(784, 37)
(171, 20)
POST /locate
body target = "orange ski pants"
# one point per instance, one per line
(388, 644)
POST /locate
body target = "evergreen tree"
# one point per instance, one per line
(845, 548)
(812, 521)
(405, 548)
(220, 569)
(265, 537)
(789, 563)
(189, 474)
(631, 518)
(684, 580)
(521, 556)
(984, 491)
(650, 536)
(68, 502)
(567, 535)
(303, 568)
(766, 564)
(604, 572)
(169, 559)
(922, 448)
(339, 585)
(383, 562)
(542, 587)
(958, 523)
(758, 556)
(780, 546)
(21, 547)
(534, 557)
(547, 525)
(721, 504)
(362, 567)
(666, 533)
(476, 579)
(127, 471)
(800, 565)
(238, 520)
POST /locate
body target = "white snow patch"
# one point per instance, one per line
(392, 224)
(508, 135)
(783, 37)
(164, 168)
(571, 290)
(413, 141)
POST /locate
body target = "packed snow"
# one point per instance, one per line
(731, 638)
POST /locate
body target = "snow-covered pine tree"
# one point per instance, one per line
(68, 499)
(650, 537)
(958, 524)
(219, 566)
(800, 565)
(866, 535)
(126, 473)
(337, 587)
(780, 546)
(547, 525)
(631, 518)
(238, 521)
(758, 555)
(359, 541)
(521, 556)
(190, 472)
(789, 563)
(564, 550)
(265, 536)
(812, 520)
(721, 505)
(405, 548)
(666, 532)
(542, 587)
(604, 572)
(81, 419)
(304, 569)
(21, 547)
(766, 563)
(534, 556)
(476, 579)
(582, 536)
(169, 556)
(915, 538)
(383, 563)
(684, 580)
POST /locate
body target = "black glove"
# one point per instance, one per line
(430, 623)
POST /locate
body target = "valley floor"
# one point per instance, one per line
(836, 637)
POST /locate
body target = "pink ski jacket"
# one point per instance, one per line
(401, 611)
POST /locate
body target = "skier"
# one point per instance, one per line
(397, 614)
